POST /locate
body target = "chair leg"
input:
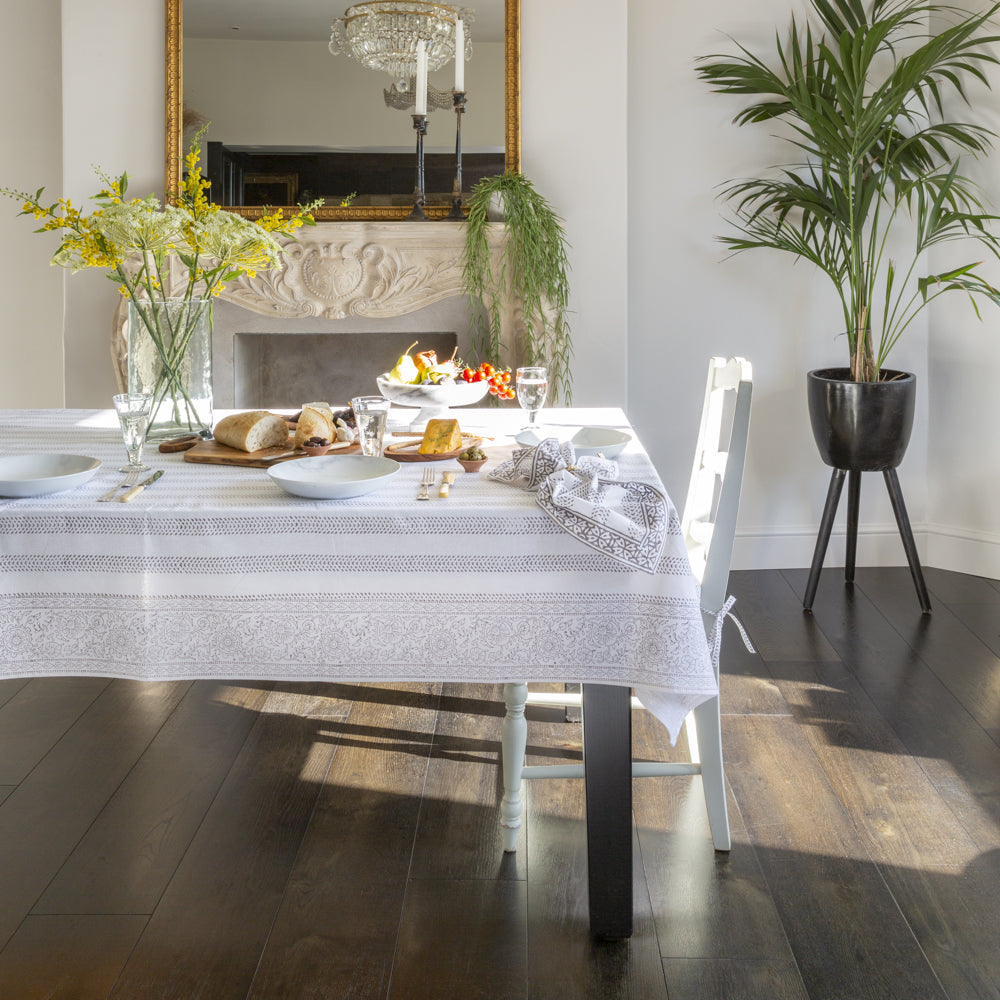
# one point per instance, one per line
(906, 533)
(853, 507)
(823, 538)
(573, 713)
(705, 740)
(513, 741)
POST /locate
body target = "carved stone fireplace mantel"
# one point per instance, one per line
(339, 270)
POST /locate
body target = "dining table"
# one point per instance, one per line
(216, 572)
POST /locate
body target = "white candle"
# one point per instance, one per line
(459, 55)
(421, 98)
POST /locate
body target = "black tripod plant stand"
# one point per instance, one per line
(853, 506)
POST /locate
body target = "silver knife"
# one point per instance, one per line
(136, 490)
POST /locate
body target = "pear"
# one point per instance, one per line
(405, 370)
(425, 362)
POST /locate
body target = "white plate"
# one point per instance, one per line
(333, 477)
(600, 440)
(35, 475)
(586, 441)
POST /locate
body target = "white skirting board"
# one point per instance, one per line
(941, 546)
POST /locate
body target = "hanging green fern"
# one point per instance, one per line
(533, 267)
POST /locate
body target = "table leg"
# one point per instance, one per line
(607, 759)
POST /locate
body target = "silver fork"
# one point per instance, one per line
(426, 483)
(131, 479)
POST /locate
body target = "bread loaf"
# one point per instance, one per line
(315, 420)
(252, 431)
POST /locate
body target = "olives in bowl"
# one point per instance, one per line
(472, 459)
(316, 446)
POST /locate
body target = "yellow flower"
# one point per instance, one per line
(133, 238)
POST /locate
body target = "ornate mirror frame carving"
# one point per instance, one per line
(175, 98)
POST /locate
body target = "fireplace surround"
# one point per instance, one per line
(344, 277)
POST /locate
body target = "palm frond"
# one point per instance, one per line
(863, 87)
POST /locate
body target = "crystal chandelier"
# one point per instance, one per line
(383, 35)
(401, 99)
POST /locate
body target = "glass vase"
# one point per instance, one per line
(170, 356)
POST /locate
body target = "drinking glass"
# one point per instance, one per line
(532, 387)
(370, 412)
(133, 409)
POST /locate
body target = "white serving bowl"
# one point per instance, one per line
(433, 400)
(333, 477)
(600, 440)
(35, 475)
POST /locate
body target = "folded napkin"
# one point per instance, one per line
(625, 520)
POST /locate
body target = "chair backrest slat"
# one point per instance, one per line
(709, 518)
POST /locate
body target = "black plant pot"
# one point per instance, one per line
(861, 426)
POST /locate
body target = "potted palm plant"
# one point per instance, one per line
(862, 92)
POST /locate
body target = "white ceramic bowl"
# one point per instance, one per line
(433, 400)
(333, 477)
(600, 440)
(35, 475)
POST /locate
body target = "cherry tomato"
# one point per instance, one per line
(486, 368)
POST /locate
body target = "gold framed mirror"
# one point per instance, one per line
(175, 139)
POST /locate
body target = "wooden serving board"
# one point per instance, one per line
(213, 453)
(409, 451)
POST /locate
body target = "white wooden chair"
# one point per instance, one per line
(709, 526)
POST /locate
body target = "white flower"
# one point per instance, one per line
(141, 225)
(235, 242)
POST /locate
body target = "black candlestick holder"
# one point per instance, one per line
(420, 127)
(458, 99)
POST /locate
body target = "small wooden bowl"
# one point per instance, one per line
(316, 449)
(472, 464)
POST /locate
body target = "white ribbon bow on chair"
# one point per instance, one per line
(625, 520)
(715, 639)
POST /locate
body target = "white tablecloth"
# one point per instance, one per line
(215, 572)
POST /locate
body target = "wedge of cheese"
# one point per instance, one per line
(441, 436)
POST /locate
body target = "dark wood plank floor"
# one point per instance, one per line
(207, 841)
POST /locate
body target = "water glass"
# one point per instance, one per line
(133, 409)
(370, 412)
(532, 388)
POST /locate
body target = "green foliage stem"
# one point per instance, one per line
(532, 266)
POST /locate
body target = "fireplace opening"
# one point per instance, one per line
(285, 370)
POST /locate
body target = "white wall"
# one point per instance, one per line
(629, 147)
(574, 131)
(31, 372)
(112, 118)
(964, 434)
(319, 99)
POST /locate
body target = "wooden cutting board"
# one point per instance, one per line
(408, 451)
(213, 453)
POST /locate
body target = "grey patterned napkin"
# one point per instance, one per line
(625, 520)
